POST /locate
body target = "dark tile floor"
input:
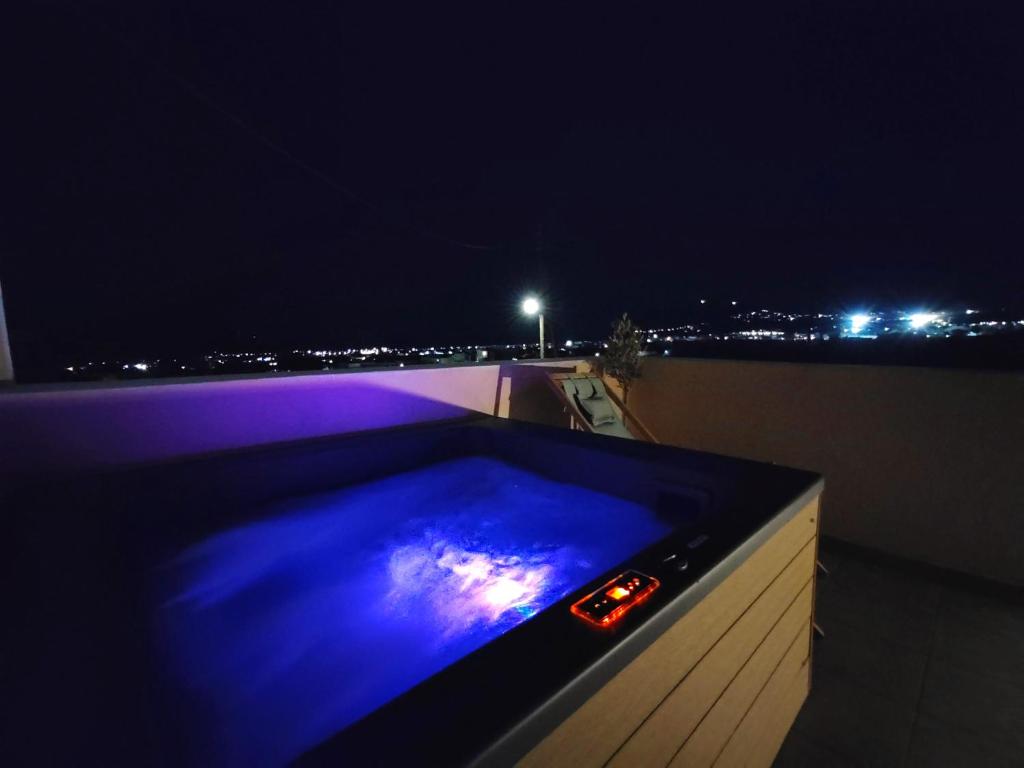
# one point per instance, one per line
(918, 668)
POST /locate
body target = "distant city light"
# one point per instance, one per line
(766, 325)
(921, 319)
(859, 322)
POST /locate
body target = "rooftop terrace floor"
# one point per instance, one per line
(919, 667)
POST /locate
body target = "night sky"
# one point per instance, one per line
(212, 175)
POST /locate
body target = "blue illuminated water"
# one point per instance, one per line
(284, 631)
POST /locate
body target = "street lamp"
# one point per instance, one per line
(531, 306)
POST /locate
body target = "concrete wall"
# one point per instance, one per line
(923, 463)
(54, 429)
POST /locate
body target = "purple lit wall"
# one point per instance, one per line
(77, 428)
(43, 430)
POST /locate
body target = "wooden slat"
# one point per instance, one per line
(757, 739)
(592, 734)
(814, 592)
(629, 417)
(708, 740)
(664, 732)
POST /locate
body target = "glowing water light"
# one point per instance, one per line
(322, 608)
(464, 587)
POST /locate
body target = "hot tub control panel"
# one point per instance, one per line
(605, 606)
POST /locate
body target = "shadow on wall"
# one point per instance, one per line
(528, 395)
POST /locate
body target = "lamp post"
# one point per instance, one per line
(531, 306)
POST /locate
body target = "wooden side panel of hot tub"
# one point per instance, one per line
(720, 687)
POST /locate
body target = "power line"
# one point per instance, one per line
(200, 95)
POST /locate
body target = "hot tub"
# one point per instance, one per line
(439, 594)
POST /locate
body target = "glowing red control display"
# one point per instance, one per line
(607, 605)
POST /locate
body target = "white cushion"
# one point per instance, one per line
(599, 410)
(584, 388)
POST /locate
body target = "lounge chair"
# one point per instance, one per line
(590, 400)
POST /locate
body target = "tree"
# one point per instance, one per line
(622, 357)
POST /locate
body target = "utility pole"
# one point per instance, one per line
(6, 364)
(541, 335)
(532, 306)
